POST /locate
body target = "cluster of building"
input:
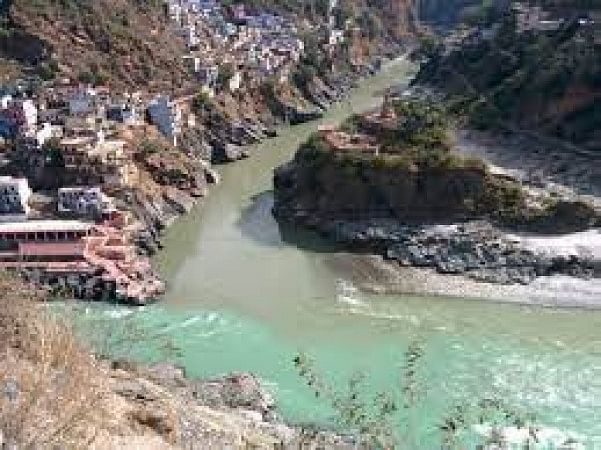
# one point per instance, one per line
(255, 44)
(90, 260)
(72, 144)
(529, 18)
(68, 142)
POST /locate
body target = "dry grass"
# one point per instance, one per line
(55, 395)
(49, 384)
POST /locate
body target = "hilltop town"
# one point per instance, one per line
(95, 165)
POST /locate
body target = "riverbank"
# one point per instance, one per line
(373, 274)
(438, 208)
(86, 401)
(236, 288)
(224, 143)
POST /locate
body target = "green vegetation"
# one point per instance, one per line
(94, 77)
(225, 74)
(422, 125)
(375, 419)
(429, 47)
(544, 81)
(117, 42)
(201, 103)
(149, 147)
(303, 76)
(54, 153)
(419, 141)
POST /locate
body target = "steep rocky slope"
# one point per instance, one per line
(400, 165)
(48, 377)
(547, 82)
(120, 42)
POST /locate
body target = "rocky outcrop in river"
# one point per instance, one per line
(451, 215)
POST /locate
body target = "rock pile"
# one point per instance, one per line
(473, 249)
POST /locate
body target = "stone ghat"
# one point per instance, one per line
(473, 249)
(79, 259)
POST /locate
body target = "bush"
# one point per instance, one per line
(49, 384)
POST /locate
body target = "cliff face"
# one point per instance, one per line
(339, 189)
(547, 82)
(120, 42)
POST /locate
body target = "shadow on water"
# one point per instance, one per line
(258, 223)
(308, 240)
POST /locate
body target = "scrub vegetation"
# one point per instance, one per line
(375, 419)
(546, 82)
(122, 43)
(46, 376)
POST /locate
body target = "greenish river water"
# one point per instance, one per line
(240, 299)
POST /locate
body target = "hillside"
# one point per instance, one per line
(119, 42)
(49, 377)
(543, 81)
(400, 165)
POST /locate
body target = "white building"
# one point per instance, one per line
(43, 134)
(193, 63)
(336, 37)
(175, 12)
(167, 117)
(235, 81)
(84, 201)
(189, 34)
(82, 103)
(5, 100)
(14, 198)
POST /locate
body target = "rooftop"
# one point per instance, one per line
(8, 179)
(31, 226)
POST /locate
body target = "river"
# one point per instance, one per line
(241, 299)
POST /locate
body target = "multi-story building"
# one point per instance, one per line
(19, 117)
(85, 201)
(167, 117)
(85, 102)
(14, 198)
(95, 160)
(70, 250)
(124, 113)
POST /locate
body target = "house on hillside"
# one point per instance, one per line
(167, 117)
(20, 116)
(125, 113)
(85, 201)
(82, 103)
(235, 82)
(14, 198)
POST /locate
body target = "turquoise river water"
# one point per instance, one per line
(240, 299)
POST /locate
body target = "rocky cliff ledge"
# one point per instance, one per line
(400, 191)
(48, 376)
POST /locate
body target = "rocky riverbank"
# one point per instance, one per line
(169, 410)
(48, 376)
(476, 250)
(223, 136)
(398, 186)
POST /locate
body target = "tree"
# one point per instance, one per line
(375, 420)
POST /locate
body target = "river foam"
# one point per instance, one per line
(348, 293)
